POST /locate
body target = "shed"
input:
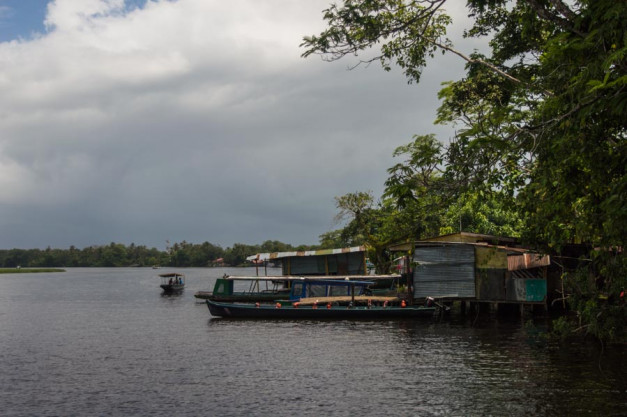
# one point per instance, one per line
(328, 262)
(470, 268)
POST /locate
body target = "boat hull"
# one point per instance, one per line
(249, 311)
(172, 288)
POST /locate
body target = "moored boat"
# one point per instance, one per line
(250, 289)
(325, 264)
(324, 299)
(172, 282)
(316, 312)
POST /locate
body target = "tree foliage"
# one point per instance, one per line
(181, 254)
(541, 122)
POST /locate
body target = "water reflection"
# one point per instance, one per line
(515, 367)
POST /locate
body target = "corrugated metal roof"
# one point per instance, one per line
(460, 237)
(466, 237)
(313, 277)
(319, 252)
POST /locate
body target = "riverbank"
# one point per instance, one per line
(29, 270)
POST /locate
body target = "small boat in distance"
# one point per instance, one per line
(172, 282)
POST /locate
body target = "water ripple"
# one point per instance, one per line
(105, 343)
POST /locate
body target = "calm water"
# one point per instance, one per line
(105, 342)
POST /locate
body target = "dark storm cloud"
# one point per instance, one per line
(188, 121)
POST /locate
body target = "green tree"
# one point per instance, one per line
(485, 213)
(239, 252)
(542, 117)
(419, 202)
(375, 225)
(417, 188)
(333, 239)
(114, 255)
(275, 246)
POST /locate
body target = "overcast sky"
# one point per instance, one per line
(197, 120)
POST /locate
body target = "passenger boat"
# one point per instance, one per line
(314, 312)
(271, 288)
(324, 264)
(172, 282)
(324, 299)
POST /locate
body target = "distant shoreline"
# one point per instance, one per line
(29, 270)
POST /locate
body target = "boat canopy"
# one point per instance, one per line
(172, 278)
(334, 278)
(171, 275)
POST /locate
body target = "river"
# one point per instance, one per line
(106, 342)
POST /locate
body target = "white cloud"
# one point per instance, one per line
(178, 119)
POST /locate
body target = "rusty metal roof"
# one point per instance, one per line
(319, 252)
(459, 237)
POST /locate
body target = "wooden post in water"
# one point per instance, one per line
(353, 294)
(326, 264)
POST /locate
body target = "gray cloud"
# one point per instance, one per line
(192, 120)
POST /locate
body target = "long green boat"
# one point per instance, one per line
(323, 299)
(313, 312)
(266, 289)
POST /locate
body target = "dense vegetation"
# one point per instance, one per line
(540, 145)
(182, 254)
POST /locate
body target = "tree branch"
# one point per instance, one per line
(476, 61)
(560, 7)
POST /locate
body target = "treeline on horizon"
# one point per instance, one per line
(182, 254)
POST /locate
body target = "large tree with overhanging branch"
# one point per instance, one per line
(540, 120)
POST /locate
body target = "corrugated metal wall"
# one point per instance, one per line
(346, 264)
(305, 265)
(351, 263)
(444, 271)
(491, 264)
(491, 284)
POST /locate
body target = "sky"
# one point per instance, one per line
(192, 120)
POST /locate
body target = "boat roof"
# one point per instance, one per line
(337, 282)
(352, 278)
(278, 255)
(171, 274)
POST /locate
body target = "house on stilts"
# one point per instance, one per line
(478, 270)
